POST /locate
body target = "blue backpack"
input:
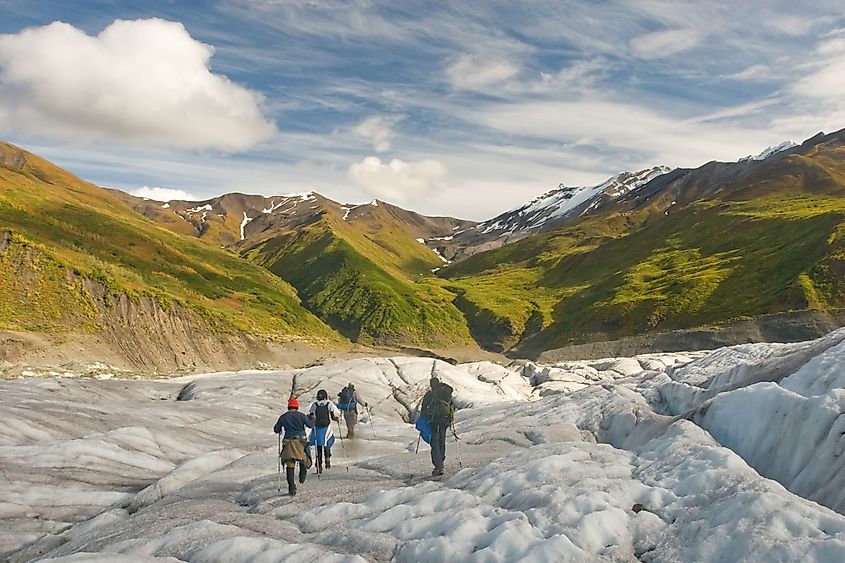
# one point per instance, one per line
(347, 401)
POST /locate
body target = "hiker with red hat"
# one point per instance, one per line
(294, 447)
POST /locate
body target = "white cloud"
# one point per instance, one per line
(379, 130)
(665, 43)
(164, 194)
(142, 81)
(398, 181)
(476, 72)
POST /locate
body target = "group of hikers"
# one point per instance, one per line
(436, 417)
(295, 447)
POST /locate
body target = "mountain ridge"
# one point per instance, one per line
(667, 255)
(646, 252)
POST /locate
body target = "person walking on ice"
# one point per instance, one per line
(348, 401)
(323, 412)
(294, 446)
(437, 407)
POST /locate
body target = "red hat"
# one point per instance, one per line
(293, 403)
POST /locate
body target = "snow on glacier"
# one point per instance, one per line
(622, 459)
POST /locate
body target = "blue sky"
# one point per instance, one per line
(463, 109)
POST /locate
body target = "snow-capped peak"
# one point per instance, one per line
(563, 199)
(769, 151)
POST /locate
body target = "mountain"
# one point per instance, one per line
(553, 208)
(645, 252)
(561, 205)
(691, 247)
(74, 259)
(364, 269)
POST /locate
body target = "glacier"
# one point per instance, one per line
(728, 455)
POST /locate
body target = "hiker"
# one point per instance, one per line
(322, 412)
(348, 401)
(437, 407)
(295, 448)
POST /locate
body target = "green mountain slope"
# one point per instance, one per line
(770, 241)
(360, 268)
(367, 278)
(70, 247)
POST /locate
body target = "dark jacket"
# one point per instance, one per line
(293, 423)
(437, 404)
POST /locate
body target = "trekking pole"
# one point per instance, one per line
(372, 425)
(416, 451)
(279, 459)
(457, 448)
(342, 446)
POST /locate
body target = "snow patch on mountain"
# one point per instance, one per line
(206, 207)
(437, 251)
(273, 206)
(561, 201)
(302, 196)
(244, 223)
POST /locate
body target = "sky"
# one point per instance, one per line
(463, 108)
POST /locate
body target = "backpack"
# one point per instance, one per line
(321, 415)
(441, 407)
(345, 396)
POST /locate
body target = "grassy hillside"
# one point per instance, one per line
(771, 242)
(64, 230)
(372, 284)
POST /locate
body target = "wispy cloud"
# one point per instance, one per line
(752, 73)
(827, 82)
(508, 100)
(478, 72)
(665, 43)
(643, 133)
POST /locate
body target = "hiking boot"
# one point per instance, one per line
(328, 463)
(292, 490)
(303, 474)
(436, 472)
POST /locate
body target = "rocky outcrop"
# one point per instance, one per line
(12, 157)
(5, 239)
(152, 338)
